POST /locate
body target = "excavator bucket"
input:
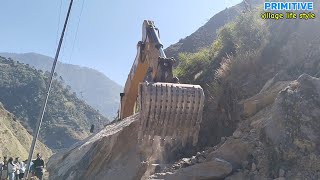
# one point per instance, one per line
(171, 111)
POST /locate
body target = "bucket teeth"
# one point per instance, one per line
(170, 111)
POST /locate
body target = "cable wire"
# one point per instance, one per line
(74, 41)
(58, 23)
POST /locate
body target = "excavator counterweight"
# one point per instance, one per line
(167, 109)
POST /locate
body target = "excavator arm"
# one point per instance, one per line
(167, 108)
(150, 56)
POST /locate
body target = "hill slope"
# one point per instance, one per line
(91, 85)
(247, 55)
(206, 34)
(67, 118)
(15, 141)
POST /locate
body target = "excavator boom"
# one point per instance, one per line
(167, 109)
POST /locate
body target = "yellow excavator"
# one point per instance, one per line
(167, 109)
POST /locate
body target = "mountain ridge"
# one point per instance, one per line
(205, 35)
(67, 118)
(81, 79)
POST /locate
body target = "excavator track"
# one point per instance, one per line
(171, 111)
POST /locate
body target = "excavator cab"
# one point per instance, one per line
(167, 109)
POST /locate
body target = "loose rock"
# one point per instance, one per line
(215, 169)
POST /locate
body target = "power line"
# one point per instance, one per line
(75, 38)
(74, 41)
(58, 22)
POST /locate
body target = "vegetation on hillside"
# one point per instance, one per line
(245, 55)
(15, 141)
(240, 37)
(206, 34)
(67, 118)
(94, 87)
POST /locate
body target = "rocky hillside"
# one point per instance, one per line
(15, 141)
(94, 87)
(247, 53)
(260, 120)
(67, 118)
(278, 139)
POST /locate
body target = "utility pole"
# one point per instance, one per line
(44, 105)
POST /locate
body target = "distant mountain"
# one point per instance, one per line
(90, 85)
(15, 141)
(206, 34)
(67, 118)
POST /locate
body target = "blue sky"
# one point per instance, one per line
(108, 30)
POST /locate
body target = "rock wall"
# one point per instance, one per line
(279, 140)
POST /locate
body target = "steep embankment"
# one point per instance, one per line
(114, 153)
(109, 154)
(94, 87)
(15, 141)
(67, 118)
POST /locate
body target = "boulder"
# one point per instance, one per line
(234, 151)
(214, 169)
(266, 97)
